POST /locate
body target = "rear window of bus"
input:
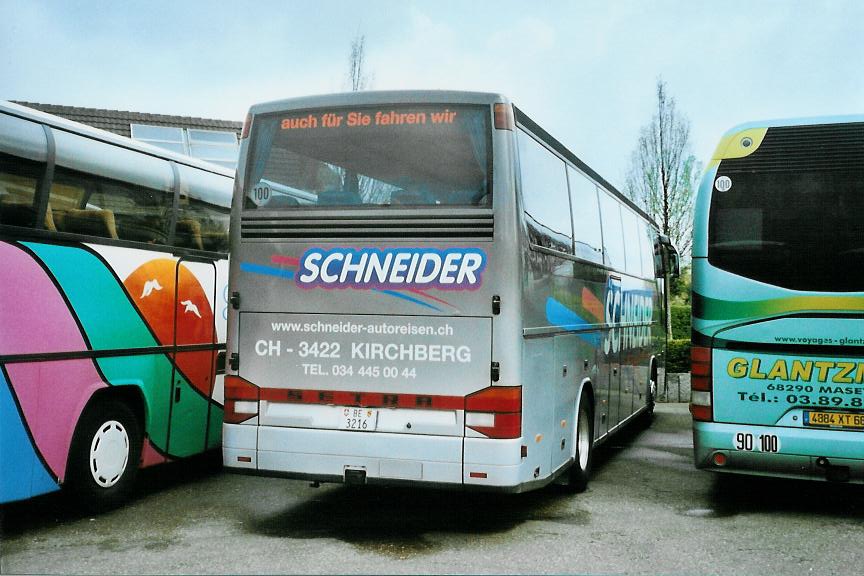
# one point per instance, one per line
(398, 156)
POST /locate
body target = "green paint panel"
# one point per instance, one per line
(214, 439)
(152, 374)
(708, 308)
(188, 422)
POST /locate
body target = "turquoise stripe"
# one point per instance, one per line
(266, 270)
(108, 317)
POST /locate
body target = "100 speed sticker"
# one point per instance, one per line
(748, 442)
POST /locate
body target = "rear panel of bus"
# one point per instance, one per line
(778, 356)
(375, 269)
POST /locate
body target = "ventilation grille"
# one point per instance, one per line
(450, 225)
(805, 149)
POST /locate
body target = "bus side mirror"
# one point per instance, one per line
(674, 264)
(666, 258)
(659, 268)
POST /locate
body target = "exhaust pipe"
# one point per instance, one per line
(833, 473)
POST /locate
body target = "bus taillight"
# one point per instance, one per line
(504, 117)
(241, 400)
(495, 412)
(244, 133)
(700, 384)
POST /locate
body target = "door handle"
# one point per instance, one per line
(177, 394)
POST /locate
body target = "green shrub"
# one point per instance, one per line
(678, 356)
(680, 322)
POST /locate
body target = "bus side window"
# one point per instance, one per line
(142, 214)
(613, 239)
(647, 238)
(19, 182)
(632, 246)
(586, 217)
(95, 206)
(202, 218)
(545, 196)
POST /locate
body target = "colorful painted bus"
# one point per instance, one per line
(778, 302)
(428, 288)
(113, 291)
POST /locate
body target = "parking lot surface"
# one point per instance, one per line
(647, 511)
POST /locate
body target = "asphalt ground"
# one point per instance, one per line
(646, 511)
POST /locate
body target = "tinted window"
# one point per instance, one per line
(801, 230)
(586, 217)
(19, 182)
(204, 210)
(84, 204)
(383, 156)
(632, 242)
(613, 239)
(544, 195)
(647, 237)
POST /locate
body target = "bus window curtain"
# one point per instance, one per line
(263, 143)
(477, 132)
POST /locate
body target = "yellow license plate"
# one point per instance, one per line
(834, 419)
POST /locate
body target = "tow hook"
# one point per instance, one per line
(355, 476)
(833, 473)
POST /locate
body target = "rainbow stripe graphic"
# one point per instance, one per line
(68, 299)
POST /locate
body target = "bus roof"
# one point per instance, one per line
(371, 98)
(806, 121)
(109, 137)
(730, 147)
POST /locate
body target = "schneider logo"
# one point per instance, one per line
(393, 268)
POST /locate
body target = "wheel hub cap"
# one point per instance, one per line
(109, 453)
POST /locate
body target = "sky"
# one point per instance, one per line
(584, 70)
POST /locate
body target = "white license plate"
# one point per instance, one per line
(360, 419)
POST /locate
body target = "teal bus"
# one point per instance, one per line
(778, 302)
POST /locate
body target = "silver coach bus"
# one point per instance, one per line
(428, 288)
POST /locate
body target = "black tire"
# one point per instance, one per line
(105, 453)
(648, 415)
(583, 441)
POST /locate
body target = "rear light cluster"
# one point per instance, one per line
(241, 400)
(244, 133)
(495, 412)
(700, 384)
(504, 117)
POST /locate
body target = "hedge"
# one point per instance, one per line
(680, 322)
(678, 356)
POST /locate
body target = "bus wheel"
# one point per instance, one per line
(103, 459)
(648, 415)
(580, 471)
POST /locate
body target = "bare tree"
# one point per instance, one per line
(664, 174)
(358, 79)
(371, 191)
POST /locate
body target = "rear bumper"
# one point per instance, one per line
(384, 458)
(800, 455)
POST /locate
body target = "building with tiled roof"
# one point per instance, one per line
(205, 138)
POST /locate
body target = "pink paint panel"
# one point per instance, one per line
(52, 396)
(33, 316)
(149, 455)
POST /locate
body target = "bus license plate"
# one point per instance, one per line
(834, 419)
(361, 419)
